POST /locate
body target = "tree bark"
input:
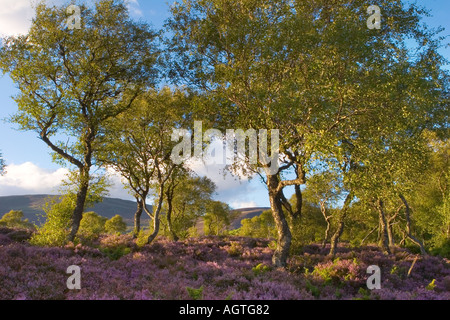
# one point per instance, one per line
(169, 197)
(336, 235)
(301, 175)
(390, 235)
(384, 241)
(371, 231)
(84, 169)
(77, 214)
(279, 258)
(137, 217)
(408, 226)
(156, 221)
(327, 220)
(340, 227)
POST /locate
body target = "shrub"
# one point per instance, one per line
(14, 219)
(92, 225)
(261, 226)
(443, 249)
(117, 246)
(261, 269)
(195, 294)
(431, 285)
(337, 271)
(56, 229)
(115, 253)
(235, 249)
(142, 237)
(115, 225)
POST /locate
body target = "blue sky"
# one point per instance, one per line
(31, 170)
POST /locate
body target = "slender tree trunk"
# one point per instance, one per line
(300, 173)
(299, 202)
(340, 227)
(84, 178)
(169, 218)
(137, 217)
(390, 223)
(384, 241)
(284, 239)
(327, 220)
(408, 226)
(77, 214)
(156, 221)
(336, 235)
(390, 235)
(371, 231)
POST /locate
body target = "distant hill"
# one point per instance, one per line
(246, 213)
(31, 206)
(243, 213)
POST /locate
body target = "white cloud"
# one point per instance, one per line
(238, 193)
(15, 17)
(134, 8)
(243, 204)
(27, 178)
(117, 189)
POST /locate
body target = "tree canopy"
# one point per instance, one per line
(358, 116)
(71, 81)
(316, 72)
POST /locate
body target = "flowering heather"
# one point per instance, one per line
(211, 268)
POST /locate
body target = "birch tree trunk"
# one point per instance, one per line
(408, 226)
(284, 239)
(137, 217)
(384, 241)
(340, 227)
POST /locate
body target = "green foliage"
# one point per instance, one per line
(138, 144)
(315, 291)
(115, 225)
(430, 199)
(335, 272)
(116, 252)
(189, 197)
(55, 230)
(92, 226)
(310, 228)
(195, 294)
(261, 226)
(72, 82)
(261, 269)
(14, 219)
(364, 294)
(142, 237)
(217, 218)
(431, 285)
(442, 249)
(235, 249)
(377, 130)
(59, 211)
(277, 67)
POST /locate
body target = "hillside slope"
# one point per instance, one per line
(31, 206)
